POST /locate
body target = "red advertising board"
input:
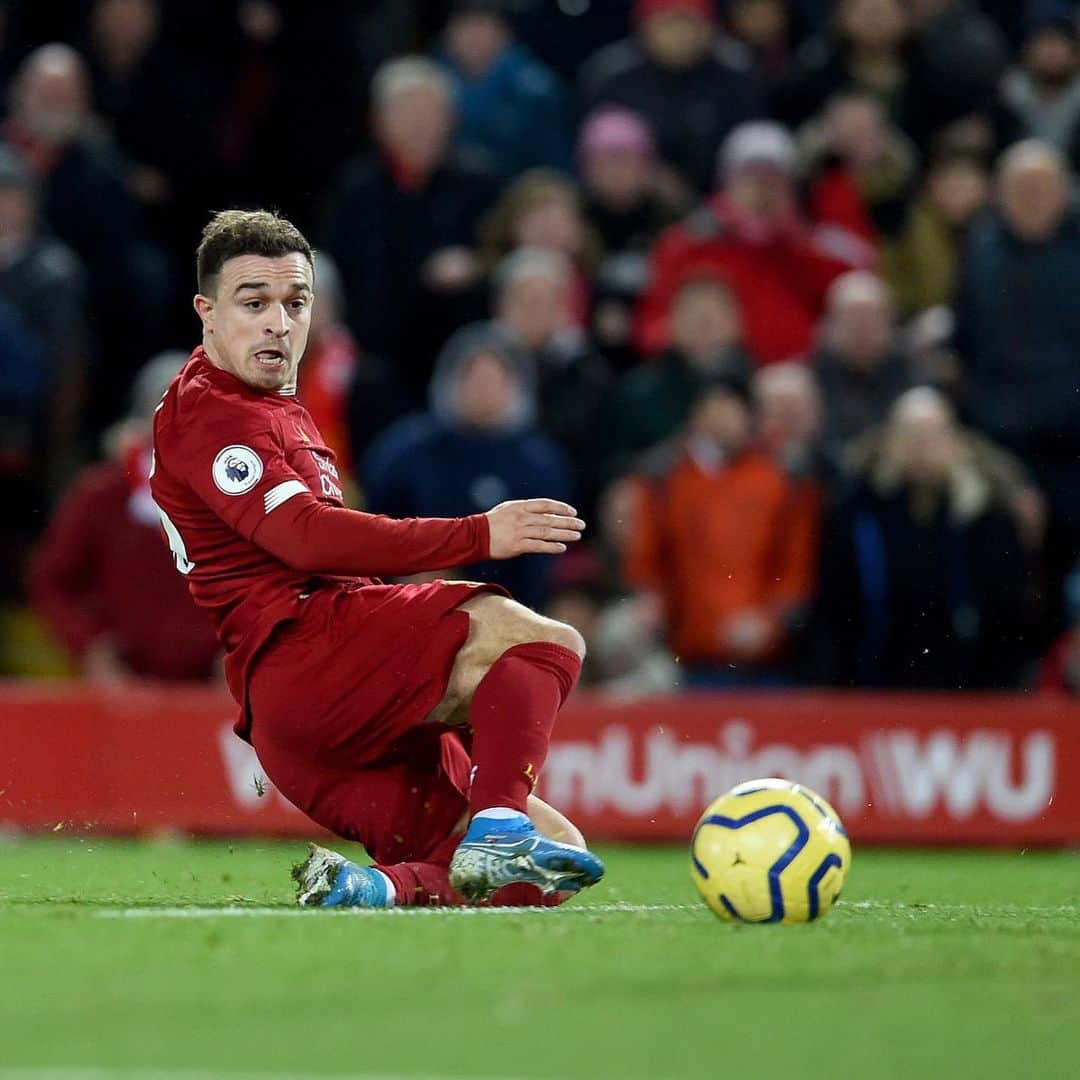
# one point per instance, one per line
(910, 769)
(899, 769)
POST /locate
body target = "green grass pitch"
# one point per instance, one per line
(934, 964)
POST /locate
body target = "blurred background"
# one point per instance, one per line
(781, 294)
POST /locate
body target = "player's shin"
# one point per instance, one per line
(512, 716)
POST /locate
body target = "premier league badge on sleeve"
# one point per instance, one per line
(237, 469)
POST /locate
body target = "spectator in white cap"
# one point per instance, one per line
(777, 258)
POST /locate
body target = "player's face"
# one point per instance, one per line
(256, 327)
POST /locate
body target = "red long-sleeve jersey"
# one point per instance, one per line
(250, 501)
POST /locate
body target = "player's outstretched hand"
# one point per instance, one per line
(532, 525)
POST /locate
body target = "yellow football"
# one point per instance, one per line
(770, 851)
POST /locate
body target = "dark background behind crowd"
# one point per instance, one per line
(781, 293)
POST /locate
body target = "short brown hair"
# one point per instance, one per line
(230, 233)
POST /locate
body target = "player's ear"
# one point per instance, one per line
(204, 308)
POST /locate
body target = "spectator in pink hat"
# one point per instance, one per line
(690, 82)
(627, 210)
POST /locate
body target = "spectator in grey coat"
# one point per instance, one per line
(1018, 333)
(532, 313)
(860, 365)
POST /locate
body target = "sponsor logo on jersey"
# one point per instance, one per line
(237, 469)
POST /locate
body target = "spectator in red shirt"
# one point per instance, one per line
(101, 578)
(753, 235)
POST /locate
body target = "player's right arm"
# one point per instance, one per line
(237, 462)
(316, 537)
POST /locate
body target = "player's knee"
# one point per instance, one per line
(565, 635)
(530, 628)
(500, 624)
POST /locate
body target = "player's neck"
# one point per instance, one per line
(211, 352)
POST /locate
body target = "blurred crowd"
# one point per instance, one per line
(780, 293)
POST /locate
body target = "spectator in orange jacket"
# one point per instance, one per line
(752, 235)
(102, 578)
(720, 533)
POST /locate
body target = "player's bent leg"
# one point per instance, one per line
(516, 669)
(496, 624)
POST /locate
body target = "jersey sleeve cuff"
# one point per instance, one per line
(482, 534)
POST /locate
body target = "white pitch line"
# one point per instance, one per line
(913, 909)
(235, 911)
(77, 1073)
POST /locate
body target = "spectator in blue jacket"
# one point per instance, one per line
(512, 114)
(475, 447)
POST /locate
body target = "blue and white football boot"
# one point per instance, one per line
(498, 851)
(327, 879)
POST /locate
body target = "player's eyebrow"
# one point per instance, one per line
(257, 286)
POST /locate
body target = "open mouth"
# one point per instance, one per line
(270, 358)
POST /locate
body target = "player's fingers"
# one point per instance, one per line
(550, 506)
(541, 547)
(565, 535)
(558, 521)
(541, 524)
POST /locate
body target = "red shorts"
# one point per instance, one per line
(339, 702)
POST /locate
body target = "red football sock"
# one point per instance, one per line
(512, 716)
(427, 885)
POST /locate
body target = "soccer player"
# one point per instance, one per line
(356, 694)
